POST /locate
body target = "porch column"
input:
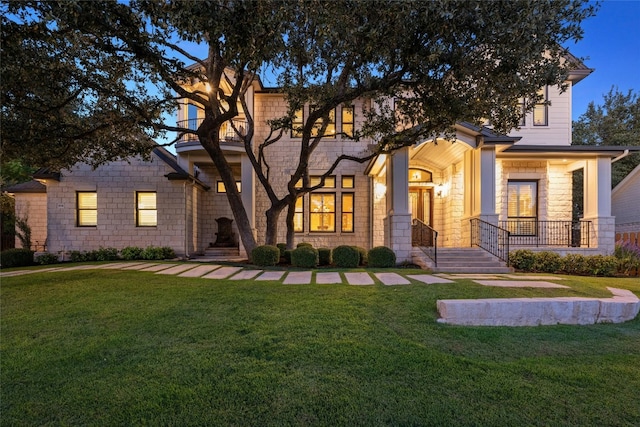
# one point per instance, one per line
(248, 179)
(398, 221)
(479, 188)
(597, 204)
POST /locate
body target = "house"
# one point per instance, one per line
(625, 206)
(497, 192)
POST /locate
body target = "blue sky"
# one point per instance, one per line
(611, 45)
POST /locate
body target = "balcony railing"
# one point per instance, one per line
(227, 133)
(491, 238)
(426, 237)
(530, 232)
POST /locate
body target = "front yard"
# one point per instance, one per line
(108, 347)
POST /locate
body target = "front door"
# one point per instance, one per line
(421, 205)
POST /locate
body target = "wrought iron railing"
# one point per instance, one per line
(426, 237)
(530, 232)
(491, 238)
(227, 133)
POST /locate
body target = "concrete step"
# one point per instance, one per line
(461, 260)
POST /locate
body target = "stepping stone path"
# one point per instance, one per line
(358, 278)
(270, 275)
(199, 271)
(328, 278)
(222, 273)
(298, 278)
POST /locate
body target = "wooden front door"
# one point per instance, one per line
(421, 204)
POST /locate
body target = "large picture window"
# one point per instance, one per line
(87, 208)
(522, 207)
(146, 209)
(322, 215)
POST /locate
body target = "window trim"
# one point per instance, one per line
(352, 213)
(138, 209)
(352, 122)
(544, 106)
(322, 193)
(79, 209)
(353, 181)
(518, 220)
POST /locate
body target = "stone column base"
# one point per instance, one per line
(397, 235)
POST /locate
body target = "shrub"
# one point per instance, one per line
(301, 244)
(381, 256)
(78, 256)
(522, 259)
(105, 254)
(168, 253)
(575, 264)
(47, 258)
(304, 256)
(287, 256)
(153, 253)
(628, 256)
(131, 252)
(362, 253)
(547, 262)
(346, 256)
(265, 255)
(603, 265)
(324, 256)
(282, 247)
(18, 257)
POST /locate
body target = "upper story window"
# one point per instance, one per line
(146, 209)
(541, 110)
(330, 131)
(297, 124)
(348, 120)
(86, 208)
(220, 188)
(522, 112)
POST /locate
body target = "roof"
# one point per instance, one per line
(597, 150)
(632, 175)
(178, 173)
(32, 186)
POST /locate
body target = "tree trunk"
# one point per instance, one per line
(271, 234)
(291, 210)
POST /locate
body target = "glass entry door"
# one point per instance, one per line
(421, 204)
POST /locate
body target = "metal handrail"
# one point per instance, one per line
(426, 237)
(491, 238)
(531, 232)
(227, 133)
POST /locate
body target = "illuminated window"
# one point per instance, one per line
(330, 131)
(322, 215)
(541, 110)
(297, 124)
(348, 181)
(419, 175)
(298, 216)
(347, 121)
(347, 212)
(146, 209)
(522, 207)
(329, 182)
(220, 188)
(87, 208)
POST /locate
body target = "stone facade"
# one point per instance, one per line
(33, 206)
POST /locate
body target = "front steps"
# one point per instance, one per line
(460, 260)
(220, 254)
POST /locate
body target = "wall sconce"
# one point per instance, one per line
(439, 189)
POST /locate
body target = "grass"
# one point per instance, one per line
(108, 347)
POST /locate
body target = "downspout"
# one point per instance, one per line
(186, 226)
(621, 156)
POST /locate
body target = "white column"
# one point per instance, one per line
(597, 203)
(398, 221)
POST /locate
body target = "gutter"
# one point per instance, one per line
(621, 156)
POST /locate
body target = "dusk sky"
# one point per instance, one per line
(611, 45)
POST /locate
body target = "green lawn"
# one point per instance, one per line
(108, 347)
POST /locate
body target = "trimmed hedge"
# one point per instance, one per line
(362, 252)
(282, 247)
(301, 244)
(265, 255)
(18, 257)
(382, 257)
(287, 255)
(305, 257)
(324, 256)
(47, 258)
(551, 262)
(346, 256)
(131, 253)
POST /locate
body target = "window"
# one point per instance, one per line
(220, 188)
(347, 212)
(522, 207)
(329, 182)
(146, 209)
(297, 124)
(322, 216)
(330, 131)
(522, 112)
(348, 181)
(540, 110)
(87, 208)
(420, 176)
(298, 216)
(347, 121)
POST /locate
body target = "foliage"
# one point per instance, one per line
(381, 256)
(324, 256)
(47, 258)
(23, 231)
(18, 257)
(603, 265)
(131, 252)
(158, 253)
(522, 259)
(304, 256)
(575, 264)
(547, 262)
(362, 252)
(615, 122)
(265, 255)
(301, 244)
(628, 255)
(287, 256)
(345, 256)
(282, 247)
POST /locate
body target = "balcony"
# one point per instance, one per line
(227, 133)
(531, 232)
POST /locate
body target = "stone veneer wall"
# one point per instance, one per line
(34, 207)
(453, 211)
(282, 158)
(116, 184)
